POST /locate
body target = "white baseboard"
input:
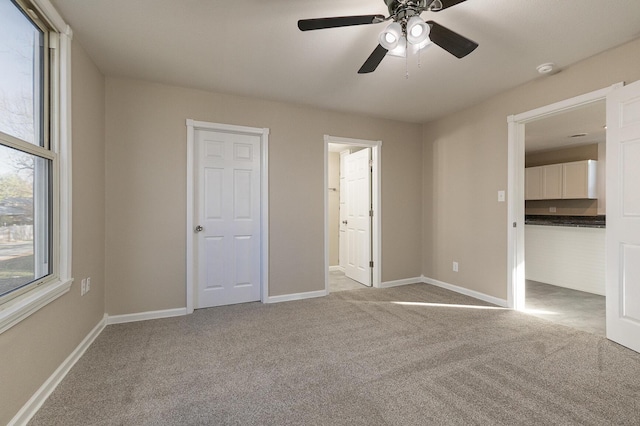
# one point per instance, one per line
(296, 296)
(465, 291)
(397, 283)
(35, 402)
(143, 316)
(336, 268)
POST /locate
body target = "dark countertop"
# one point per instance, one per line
(573, 221)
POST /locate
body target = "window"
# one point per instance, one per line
(34, 196)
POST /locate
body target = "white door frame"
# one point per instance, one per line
(192, 273)
(515, 186)
(376, 188)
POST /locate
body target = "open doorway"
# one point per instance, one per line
(352, 214)
(565, 213)
(546, 181)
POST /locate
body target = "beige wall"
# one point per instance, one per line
(564, 207)
(333, 202)
(146, 184)
(563, 155)
(465, 164)
(33, 349)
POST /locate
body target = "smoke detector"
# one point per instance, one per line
(547, 69)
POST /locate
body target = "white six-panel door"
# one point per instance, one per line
(623, 216)
(342, 238)
(228, 218)
(358, 206)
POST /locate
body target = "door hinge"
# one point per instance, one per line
(371, 213)
(514, 224)
(371, 264)
(370, 163)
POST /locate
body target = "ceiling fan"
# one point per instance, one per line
(407, 27)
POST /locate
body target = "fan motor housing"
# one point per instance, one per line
(401, 9)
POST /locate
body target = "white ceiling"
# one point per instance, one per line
(254, 48)
(562, 130)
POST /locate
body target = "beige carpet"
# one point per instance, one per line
(355, 357)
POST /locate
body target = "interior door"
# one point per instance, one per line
(228, 218)
(358, 203)
(623, 216)
(342, 250)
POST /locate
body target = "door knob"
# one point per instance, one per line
(199, 228)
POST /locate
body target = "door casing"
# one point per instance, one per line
(191, 258)
(376, 186)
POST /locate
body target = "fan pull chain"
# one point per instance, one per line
(419, 57)
(406, 60)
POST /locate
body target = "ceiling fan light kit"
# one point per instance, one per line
(417, 30)
(400, 50)
(407, 28)
(390, 37)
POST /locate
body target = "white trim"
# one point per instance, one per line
(465, 291)
(396, 283)
(264, 214)
(190, 225)
(21, 307)
(192, 126)
(515, 215)
(336, 268)
(296, 296)
(376, 191)
(515, 185)
(65, 158)
(143, 316)
(53, 17)
(34, 403)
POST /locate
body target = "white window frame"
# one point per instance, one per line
(59, 282)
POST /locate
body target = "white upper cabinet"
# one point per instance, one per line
(575, 180)
(552, 181)
(533, 183)
(579, 179)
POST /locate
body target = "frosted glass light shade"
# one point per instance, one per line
(391, 36)
(401, 49)
(417, 30)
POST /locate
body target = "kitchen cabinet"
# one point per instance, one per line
(533, 183)
(543, 182)
(579, 179)
(575, 180)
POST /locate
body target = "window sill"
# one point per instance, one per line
(22, 307)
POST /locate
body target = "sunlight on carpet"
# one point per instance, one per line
(447, 305)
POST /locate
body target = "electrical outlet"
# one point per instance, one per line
(552, 209)
(455, 266)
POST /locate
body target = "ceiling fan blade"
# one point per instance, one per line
(448, 3)
(338, 21)
(373, 60)
(450, 41)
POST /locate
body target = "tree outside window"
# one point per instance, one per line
(26, 183)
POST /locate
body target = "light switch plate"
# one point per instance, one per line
(501, 196)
